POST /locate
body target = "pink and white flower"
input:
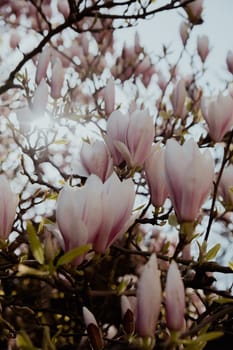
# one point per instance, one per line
(218, 113)
(129, 137)
(175, 298)
(189, 176)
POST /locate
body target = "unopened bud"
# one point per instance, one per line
(94, 333)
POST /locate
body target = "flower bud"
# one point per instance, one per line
(149, 297)
(189, 178)
(127, 315)
(63, 7)
(184, 32)
(194, 11)
(109, 97)
(225, 188)
(42, 65)
(94, 333)
(8, 205)
(218, 113)
(14, 39)
(155, 176)
(178, 97)
(203, 47)
(175, 298)
(57, 79)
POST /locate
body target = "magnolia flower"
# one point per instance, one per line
(63, 7)
(57, 78)
(96, 213)
(175, 298)
(127, 312)
(194, 11)
(129, 137)
(117, 204)
(8, 205)
(189, 176)
(155, 175)
(79, 213)
(184, 32)
(226, 185)
(218, 114)
(42, 64)
(149, 298)
(109, 97)
(178, 97)
(93, 330)
(203, 47)
(14, 39)
(95, 159)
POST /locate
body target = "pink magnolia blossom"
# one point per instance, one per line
(178, 97)
(128, 317)
(229, 61)
(218, 114)
(79, 213)
(14, 39)
(63, 7)
(184, 32)
(95, 159)
(175, 298)
(109, 97)
(96, 213)
(57, 78)
(8, 205)
(42, 64)
(203, 47)
(149, 298)
(194, 11)
(189, 175)
(117, 204)
(226, 186)
(93, 330)
(129, 137)
(137, 45)
(155, 175)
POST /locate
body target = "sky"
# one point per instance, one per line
(218, 26)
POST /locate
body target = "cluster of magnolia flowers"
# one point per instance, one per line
(100, 211)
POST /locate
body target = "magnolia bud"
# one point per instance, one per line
(127, 315)
(203, 47)
(94, 333)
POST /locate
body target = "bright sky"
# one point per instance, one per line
(218, 26)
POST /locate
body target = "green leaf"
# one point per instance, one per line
(35, 244)
(209, 336)
(73, 254)
(211, 254)
(23, 341)
(60, 142)
(231, 264)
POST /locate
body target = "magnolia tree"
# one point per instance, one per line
(116, 182)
